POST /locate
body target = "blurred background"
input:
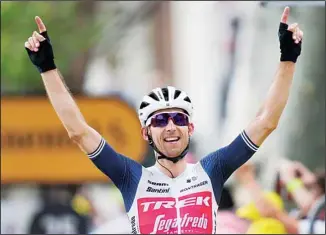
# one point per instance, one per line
(223, 54)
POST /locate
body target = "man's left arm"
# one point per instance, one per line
(227, 159)
(270, 112)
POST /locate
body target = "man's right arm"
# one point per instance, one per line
(68, 112)
(124, 172)
(40, 52)
(113, 164)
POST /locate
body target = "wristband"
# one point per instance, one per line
(293, 185)
(290, 50)
(43, 59)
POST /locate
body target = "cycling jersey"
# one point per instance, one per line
(158, 204)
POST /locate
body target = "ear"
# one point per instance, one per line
(144, 133)
(191, 129)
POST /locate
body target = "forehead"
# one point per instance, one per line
(169, 110)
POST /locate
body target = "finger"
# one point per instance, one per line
(40, 24)
(39, 37)
(28, 46)
(31, 41)
(36, 42)
(293, 27)
(285, 15)
(297, 35)
(33, 44)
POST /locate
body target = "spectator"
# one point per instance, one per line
(304, 186)
(57, 215)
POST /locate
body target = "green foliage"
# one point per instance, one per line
(70, 32)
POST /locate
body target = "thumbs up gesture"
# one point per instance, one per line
(39, 48)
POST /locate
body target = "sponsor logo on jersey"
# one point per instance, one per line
(194, 178)
(157, 190)
(157, 184)
(194, 186)
(191, 213)
(167, 225)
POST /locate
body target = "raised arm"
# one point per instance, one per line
(270, 112)
(227, 159)
(66, 108)
(40, 51)
(123, 171)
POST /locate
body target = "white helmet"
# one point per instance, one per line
(163, 98)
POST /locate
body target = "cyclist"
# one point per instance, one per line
(171, 196)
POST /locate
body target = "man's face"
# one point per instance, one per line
(171, 139)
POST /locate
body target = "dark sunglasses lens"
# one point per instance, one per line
(180, 119)
(160, 120)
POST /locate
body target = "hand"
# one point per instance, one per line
(33, 42)
(297, 34)
(39, 48)
(290, 38)
(300, 171)
(290, 170)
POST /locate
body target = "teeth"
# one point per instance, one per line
(172, 139)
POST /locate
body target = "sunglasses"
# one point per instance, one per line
(162, 119)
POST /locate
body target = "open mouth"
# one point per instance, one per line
(172, 139)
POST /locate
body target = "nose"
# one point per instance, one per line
(170, 126)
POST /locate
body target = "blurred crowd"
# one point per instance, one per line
(296, 184)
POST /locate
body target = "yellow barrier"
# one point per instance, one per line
(35, 146)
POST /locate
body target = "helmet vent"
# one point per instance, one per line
(177, 93)
(165, 92)
(143, 105)
(187, 99)
(154, 96)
